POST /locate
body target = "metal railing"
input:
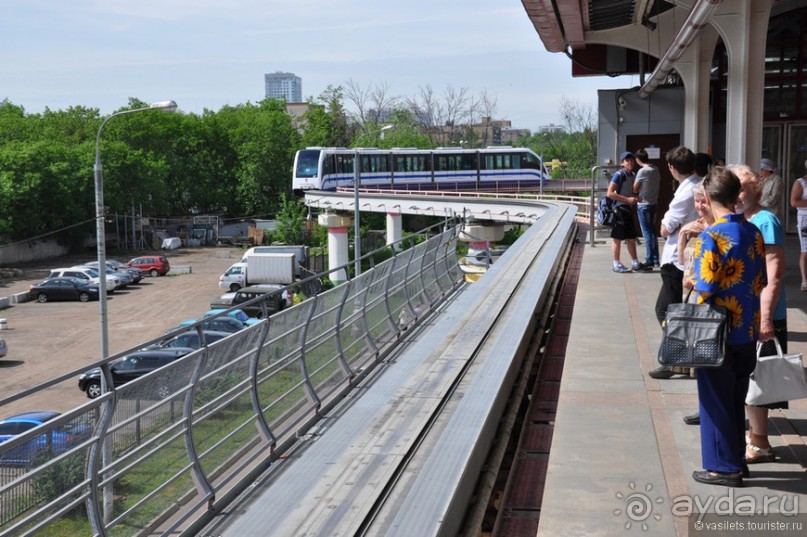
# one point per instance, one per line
(582, 203)
(600, 176)
(159, 451)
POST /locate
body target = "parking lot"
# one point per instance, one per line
(50, 339)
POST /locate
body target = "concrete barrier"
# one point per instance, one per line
(180, 269)
(19, 298)
(5, 302)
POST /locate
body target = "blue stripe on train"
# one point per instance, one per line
(424, 180)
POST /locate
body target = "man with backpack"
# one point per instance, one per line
(620, 191)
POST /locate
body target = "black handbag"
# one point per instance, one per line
(694, 335)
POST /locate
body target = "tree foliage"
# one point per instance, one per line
(575, 143)
(234, 162)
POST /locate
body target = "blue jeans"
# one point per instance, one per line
(647, 221)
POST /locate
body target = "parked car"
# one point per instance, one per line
(83, 273)
(3, 347)
(191, 339)
(64, 289)
(136, 273)
(129, 368)
(125, 278)
(237, 314)
(219, 324)
(110, 278)
(48, 444)
(156, 265)
(275, 301)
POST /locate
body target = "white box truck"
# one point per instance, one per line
(259, 268)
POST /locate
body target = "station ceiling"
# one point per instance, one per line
(562, 24)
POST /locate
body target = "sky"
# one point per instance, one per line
(206, 54)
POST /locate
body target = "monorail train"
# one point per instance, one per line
(499, 168)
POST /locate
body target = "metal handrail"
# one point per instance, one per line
(225, 409)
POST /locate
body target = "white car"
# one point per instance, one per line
(3, 347)
(85, 273)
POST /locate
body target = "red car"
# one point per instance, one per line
(156, 265)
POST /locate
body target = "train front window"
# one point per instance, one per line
(307, 163)
(530, 161)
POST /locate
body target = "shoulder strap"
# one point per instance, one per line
(622, 176)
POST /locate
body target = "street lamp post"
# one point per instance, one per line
(356, 182)
(100, 235)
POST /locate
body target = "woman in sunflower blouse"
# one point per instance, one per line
(729, 272)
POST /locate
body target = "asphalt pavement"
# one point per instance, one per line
(54, 338)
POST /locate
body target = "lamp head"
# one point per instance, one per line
(165, 106)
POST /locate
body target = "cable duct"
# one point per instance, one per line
(698, 18)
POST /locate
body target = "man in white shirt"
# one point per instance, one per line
(681, 162)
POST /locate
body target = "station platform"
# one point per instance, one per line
(621, 457)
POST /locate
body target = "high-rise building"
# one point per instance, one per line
(284, 86)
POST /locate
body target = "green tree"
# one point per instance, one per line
(15, 126)
(575, 144)
(45, 186)
(290, 220)
(264, 142)
(326, 122)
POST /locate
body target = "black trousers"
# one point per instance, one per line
(672, 289)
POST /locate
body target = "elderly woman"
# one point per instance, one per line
(729, 272)
(688, 234)
(773, 318)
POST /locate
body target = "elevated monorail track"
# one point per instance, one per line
(404, 453)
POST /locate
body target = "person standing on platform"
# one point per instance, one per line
(681, 162)
(620, 190)
(729, 272)
(646, 186)
(773, 303)
(798, 200)
(773, 188)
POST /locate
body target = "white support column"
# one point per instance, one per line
(482, 234)
(394, 229)
(707, 41)
(687, 69)
(743, 26)
(337, 244)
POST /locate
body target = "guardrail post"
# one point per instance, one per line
(99, 505)
(338, 331)
(309, 388)
(260, 422)
(201, 481)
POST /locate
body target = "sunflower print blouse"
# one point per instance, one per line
(730, 265)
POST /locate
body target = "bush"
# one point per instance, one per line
(53, 482)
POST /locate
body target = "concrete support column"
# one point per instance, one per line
(707, 42)
(394, 229)
(687, 69)
(481, 234)
(743, 27)
(337, 244)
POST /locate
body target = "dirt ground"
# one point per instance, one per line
(55, 338)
